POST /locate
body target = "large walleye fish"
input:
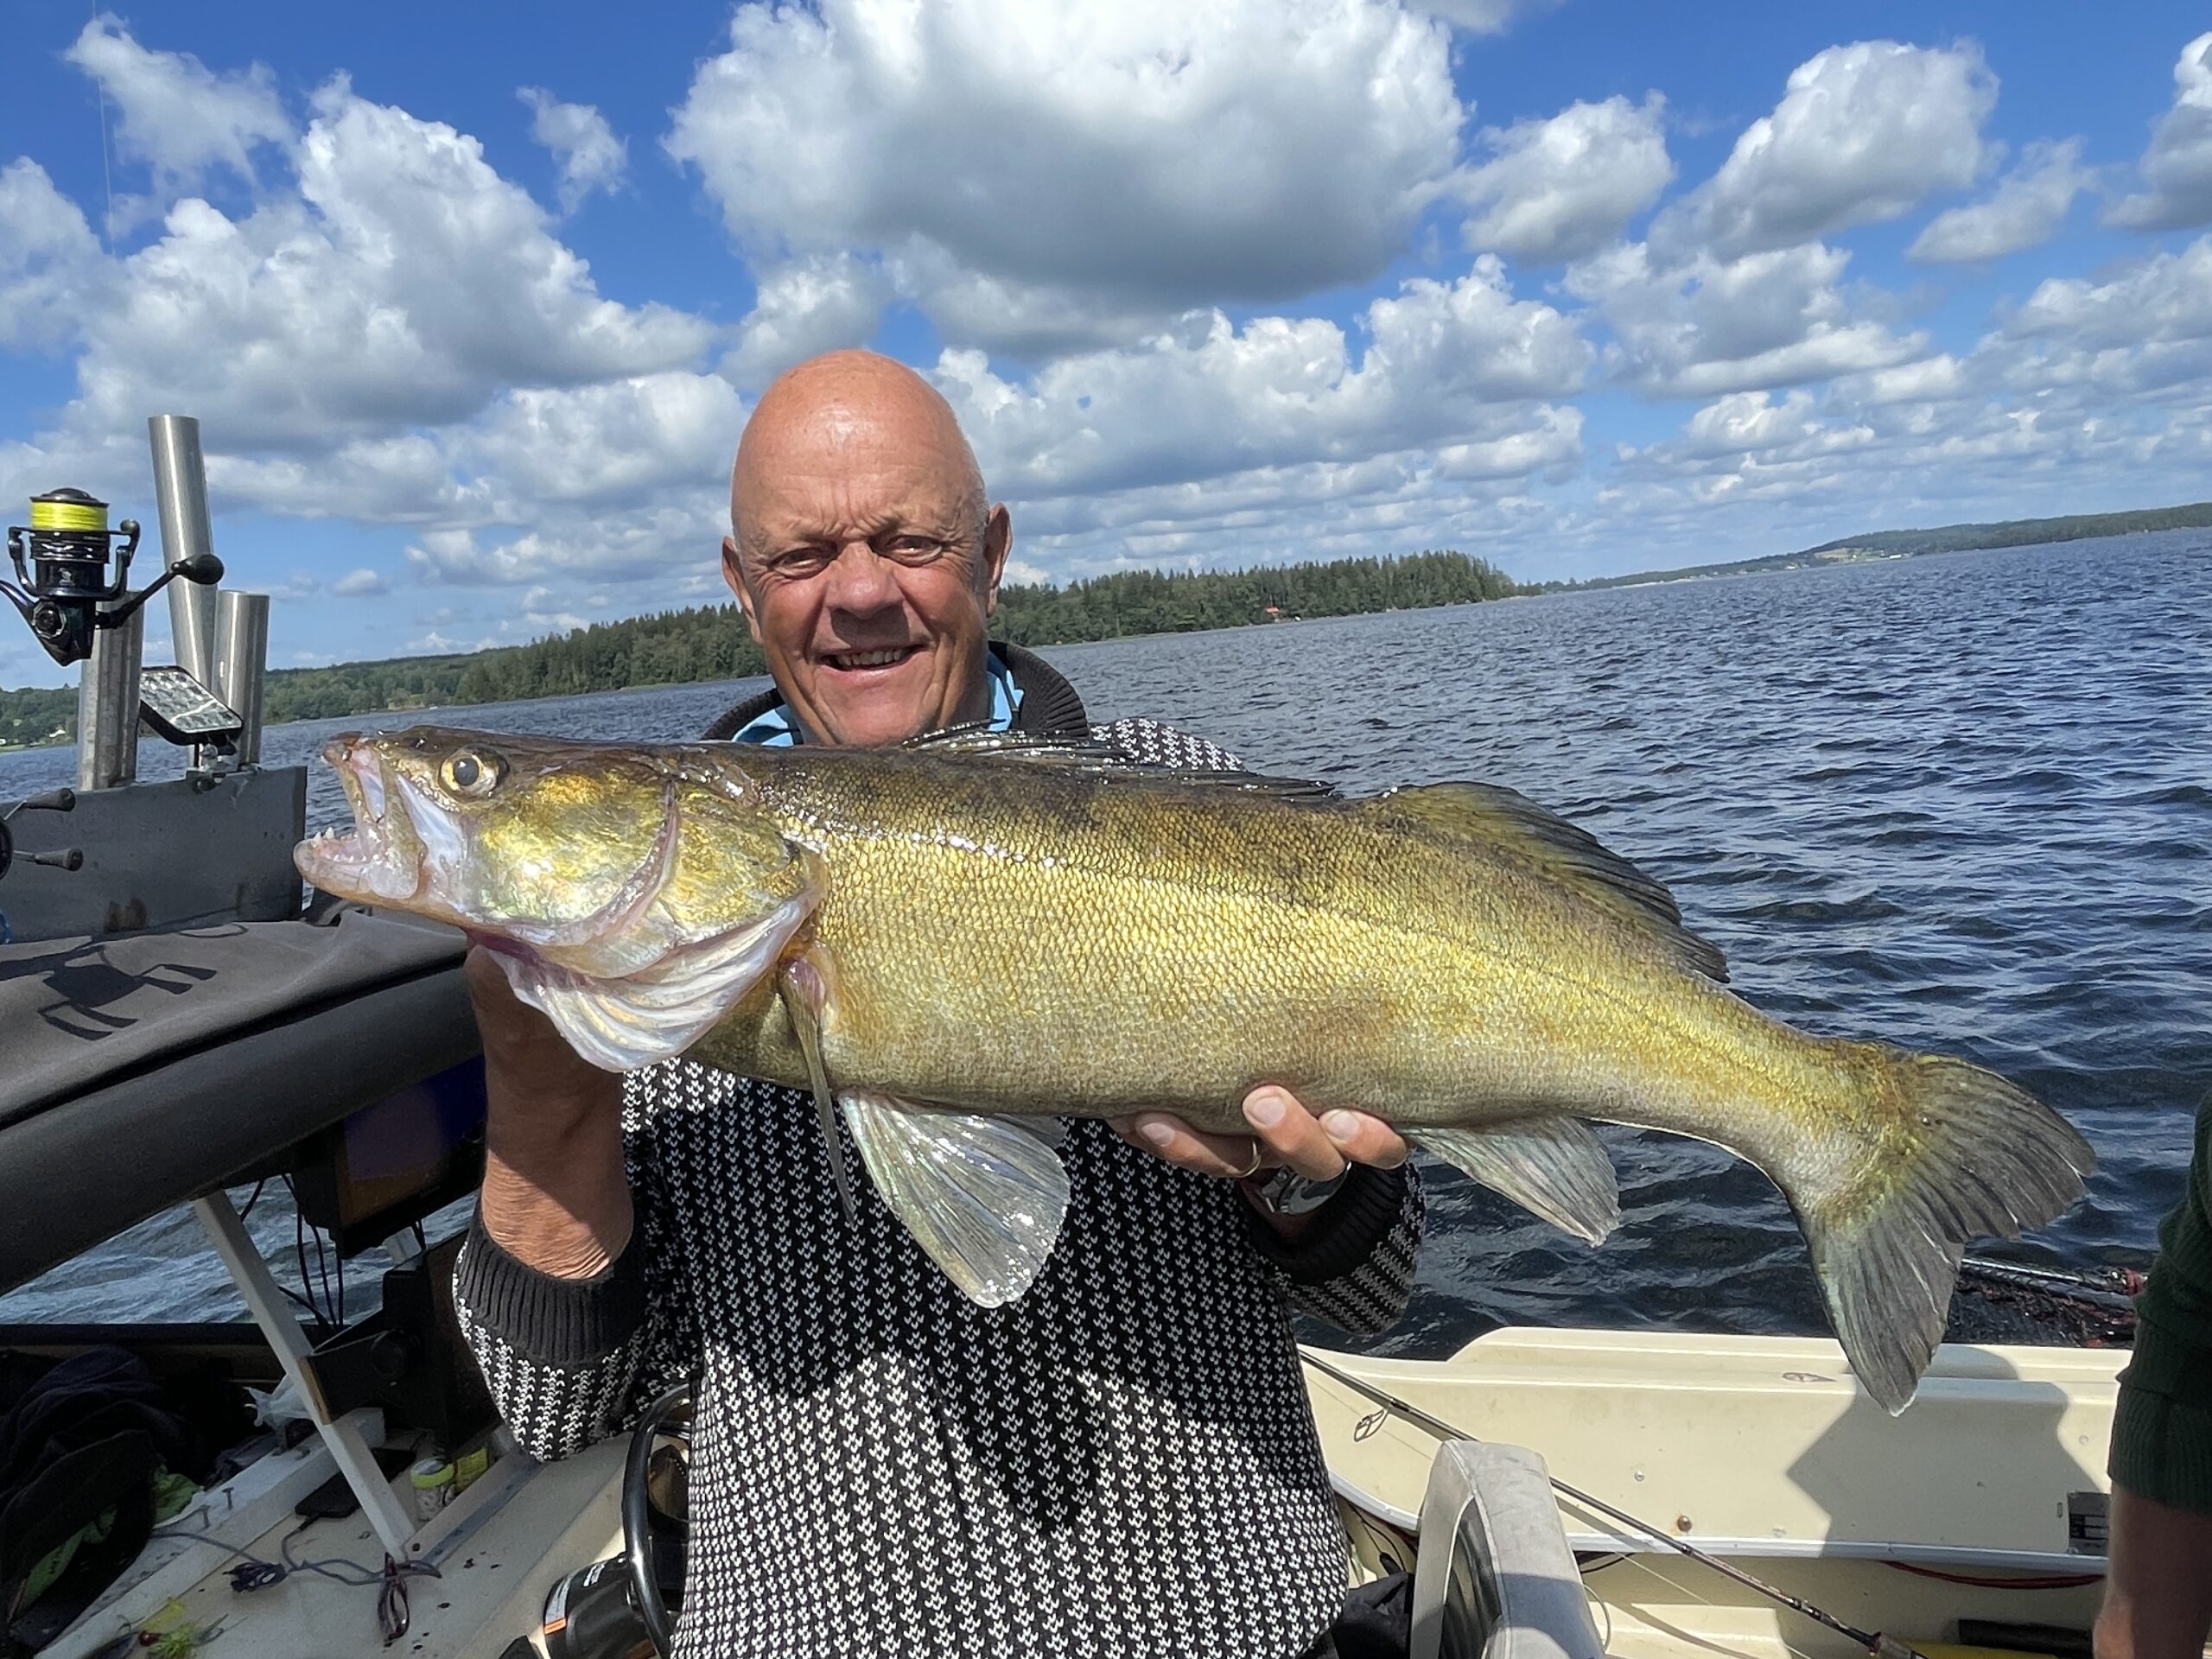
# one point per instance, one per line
(948, 939)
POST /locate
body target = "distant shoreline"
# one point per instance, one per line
(669, 644)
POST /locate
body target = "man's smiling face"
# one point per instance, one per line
(864, 554)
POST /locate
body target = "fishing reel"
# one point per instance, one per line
(62, 587)
(625, 1607)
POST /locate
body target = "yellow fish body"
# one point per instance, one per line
(946, 940)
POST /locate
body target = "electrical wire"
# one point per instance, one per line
(254, 1573)
(2042, 1581)
(393, 1613)
(300, 1250)
(322, 1272)
(253, 1199)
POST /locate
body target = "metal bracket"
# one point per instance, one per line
(242, 1258)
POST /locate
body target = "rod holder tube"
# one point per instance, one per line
(107, 706)
(180, 493)
(242, 663)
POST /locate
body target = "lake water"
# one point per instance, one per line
(1962, 803)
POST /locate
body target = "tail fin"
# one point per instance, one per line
(1967, 1156)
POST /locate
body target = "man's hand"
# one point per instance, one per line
(555, 1194)
(1284, 1136)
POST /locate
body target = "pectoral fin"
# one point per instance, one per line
(804, 987)
(1552, 1165)
(983, 1195)
(622, 1023)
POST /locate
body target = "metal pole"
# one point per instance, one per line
(393, 1525)
(180, 491)
(107, 706)
(242, 659)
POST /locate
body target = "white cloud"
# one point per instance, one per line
(1029, 321)
(405, 282)
(2146, 330)
(671, 541)
(1562, 189)
(1161, 154)
(1932, 379)
(1445, 363)
(1482, 16)
(1745, 422)
(622, 441)
(2026, 208)
(1710, 326)
(542, 614)
(51, 268)
(390, 331)
(590, 156)
(174, 113)
(2179, 164)
(802, 307)
(1862, 133)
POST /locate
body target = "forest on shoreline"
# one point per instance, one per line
(686, 647)
(690, 646)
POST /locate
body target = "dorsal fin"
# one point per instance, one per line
(1083, 753)
(1502, 820)
(977, 740)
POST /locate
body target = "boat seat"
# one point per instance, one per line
(1496, 1578)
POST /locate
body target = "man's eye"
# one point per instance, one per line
(914, 549)
(800, 561)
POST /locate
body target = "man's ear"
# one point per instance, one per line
(733, 573)
(998, 542)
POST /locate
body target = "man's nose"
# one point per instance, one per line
(861, 581)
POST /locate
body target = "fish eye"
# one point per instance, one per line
(472, 772)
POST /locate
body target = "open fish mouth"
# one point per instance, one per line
(381, 857)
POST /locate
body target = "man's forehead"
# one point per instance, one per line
(816, 499)
(837, 465)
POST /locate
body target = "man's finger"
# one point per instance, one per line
(1226, 1157)
(1292, 1135)
(1365, 1139)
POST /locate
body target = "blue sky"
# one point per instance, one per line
(471, 304)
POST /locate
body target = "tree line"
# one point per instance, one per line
(681, 647)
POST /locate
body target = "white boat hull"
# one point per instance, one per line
(1762, 1451)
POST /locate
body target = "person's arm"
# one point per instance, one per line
(2159, 1579)
(557, 1287)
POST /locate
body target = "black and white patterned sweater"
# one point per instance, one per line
(1121, 1462)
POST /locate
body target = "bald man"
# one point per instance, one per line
(1121, 1461)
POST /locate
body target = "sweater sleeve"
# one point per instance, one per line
(570, 1362)
(2162, 1432)
(1354, 1266)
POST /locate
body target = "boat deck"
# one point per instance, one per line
(499, 1548)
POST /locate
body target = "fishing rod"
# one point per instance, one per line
(2111, 1288)
(1874, 1642)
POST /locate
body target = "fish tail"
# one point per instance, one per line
(1957, 1153)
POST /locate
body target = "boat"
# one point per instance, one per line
(182, 1024)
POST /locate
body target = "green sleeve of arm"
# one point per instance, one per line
(2162, 1432)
